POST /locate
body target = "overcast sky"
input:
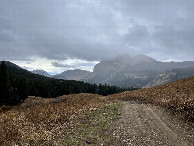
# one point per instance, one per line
(57, 35)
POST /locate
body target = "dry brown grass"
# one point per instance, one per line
(40, 121)
(178, 96)
(44, 121)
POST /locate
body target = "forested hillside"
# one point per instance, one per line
(16, 84)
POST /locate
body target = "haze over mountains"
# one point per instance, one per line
(76, 74)
(65, 35)
(41, 72)
(132, 71)
(125, 71)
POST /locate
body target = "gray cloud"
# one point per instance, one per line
(96, 30)
(57, 64)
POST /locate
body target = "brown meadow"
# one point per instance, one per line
(47, 121)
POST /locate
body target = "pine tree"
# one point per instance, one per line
(6, 91)
(23, 89)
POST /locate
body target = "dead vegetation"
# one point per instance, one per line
(41, 121)
(178, 96)
(94, 128)
(44, 121)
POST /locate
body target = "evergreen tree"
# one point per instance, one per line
(6, 91)
(23, 90)
(19, 84)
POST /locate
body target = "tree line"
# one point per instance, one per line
(14, 88)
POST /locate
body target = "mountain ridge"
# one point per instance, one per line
(41, 72)
(127, 71)
(170, 76)
(76, 74)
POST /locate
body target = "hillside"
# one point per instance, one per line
(41, 72)
(15, 70)
(135, 71)
(76, 74)
(119, 119)
(170, 76)
(41, 121)
(178, 95)
(17, 84)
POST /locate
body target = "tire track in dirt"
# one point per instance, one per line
(143, 124)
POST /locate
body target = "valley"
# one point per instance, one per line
(96, 73)
(131, 71)
(161, 115)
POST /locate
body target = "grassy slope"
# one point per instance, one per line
(178, 95)
(45, 121)
(55, 121)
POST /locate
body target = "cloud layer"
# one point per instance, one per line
(96, 30)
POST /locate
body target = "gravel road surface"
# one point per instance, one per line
(143, 124)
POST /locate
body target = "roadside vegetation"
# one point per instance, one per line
(80, 119)
(66, 120)
(94, 127)
(177, 96)
(44, 122)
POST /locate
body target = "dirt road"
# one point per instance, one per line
(147, 125)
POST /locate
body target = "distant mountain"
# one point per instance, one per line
(76, 74)
(26, 83)
(171, 76)
(177, 95)
(41, 72)
(122, 71)
(136, 71)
